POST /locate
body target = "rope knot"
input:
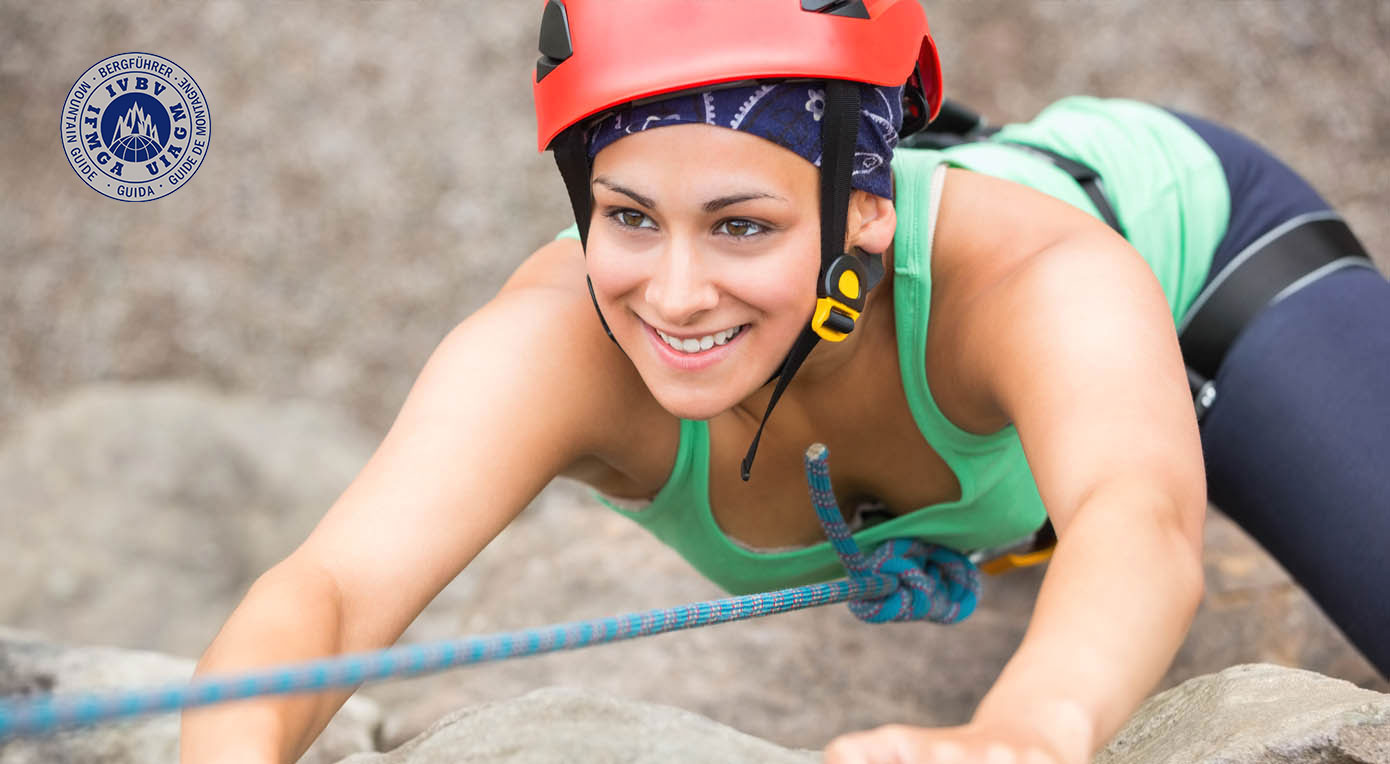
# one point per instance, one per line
(915, 580)
(933, 583)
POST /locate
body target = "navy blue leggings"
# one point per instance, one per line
(1297, 444)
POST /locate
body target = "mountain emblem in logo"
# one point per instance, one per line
(134, 135)
(135, 127)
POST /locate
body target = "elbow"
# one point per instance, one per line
(1178, 518)
(1164, 531)
(1190, 576)
(1184, 536)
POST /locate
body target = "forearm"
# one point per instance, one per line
(290, 614)
(1119, 595)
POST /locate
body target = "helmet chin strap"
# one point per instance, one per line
(844, 278)
(572, 157)
(871, 271)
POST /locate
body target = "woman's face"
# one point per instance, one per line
(703, 251)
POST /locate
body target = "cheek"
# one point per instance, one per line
(782, 288)
(613, 272)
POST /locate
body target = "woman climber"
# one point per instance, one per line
(991, 337)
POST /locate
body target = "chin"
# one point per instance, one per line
(696, 404)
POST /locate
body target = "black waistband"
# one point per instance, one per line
(1273, 267)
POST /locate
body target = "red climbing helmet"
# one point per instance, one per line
(598, 54)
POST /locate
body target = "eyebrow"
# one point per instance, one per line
(636, 197)
(713, 205)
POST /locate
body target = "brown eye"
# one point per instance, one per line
(740, 229)
(633, 219)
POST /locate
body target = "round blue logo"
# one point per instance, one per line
(136, 127)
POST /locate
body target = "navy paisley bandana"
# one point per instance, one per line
(786, 113)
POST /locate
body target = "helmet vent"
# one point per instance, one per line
(854, 9)
(555, 44)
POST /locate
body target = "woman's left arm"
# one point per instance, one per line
(1082, 357)
(1088, 368)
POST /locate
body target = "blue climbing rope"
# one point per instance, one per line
(900, 580)
(933, 583)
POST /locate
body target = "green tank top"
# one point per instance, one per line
(1170, 193)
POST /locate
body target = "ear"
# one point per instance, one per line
(872, 222)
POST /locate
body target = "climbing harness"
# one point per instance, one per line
(1033, 550)
(900, 580)
(1290, 257)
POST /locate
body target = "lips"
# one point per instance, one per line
(708, 349)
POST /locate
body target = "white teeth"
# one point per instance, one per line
(693, 345)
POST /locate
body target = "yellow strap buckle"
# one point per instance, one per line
(833, 320)
(843, 285)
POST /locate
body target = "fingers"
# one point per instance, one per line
(892, 744)
(901, 744)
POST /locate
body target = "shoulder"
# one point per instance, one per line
(1059, 327)
(1008, 263)
(544, 315)
(1004, 251)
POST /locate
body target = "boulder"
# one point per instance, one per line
(30, 666)
(1249, 714)
(1257, 714)
(569, 725)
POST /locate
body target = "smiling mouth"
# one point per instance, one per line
(700, 344)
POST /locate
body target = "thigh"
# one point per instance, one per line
(1298, 445)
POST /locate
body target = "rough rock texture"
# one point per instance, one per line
(1249, 714)
(29, 666)
(566, 725)
(1257, 714)
(137, 516)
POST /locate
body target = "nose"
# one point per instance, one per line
(679, 289)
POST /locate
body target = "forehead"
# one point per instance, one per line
(688, 153)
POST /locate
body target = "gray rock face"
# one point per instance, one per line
(29, 666)
(567, 725)
(1251, 714)
(138, 515)
(1257, 714)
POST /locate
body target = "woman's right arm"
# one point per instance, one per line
(521, 391)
